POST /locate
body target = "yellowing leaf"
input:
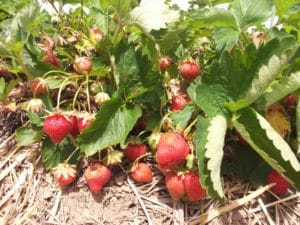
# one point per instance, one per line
(278, 118)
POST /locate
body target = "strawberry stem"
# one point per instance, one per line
(189, 128)
(60, 91)
(75, 96)
(88, 93)
(70, 156)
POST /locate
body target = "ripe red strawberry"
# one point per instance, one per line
(3, 68)
(50, 58)
(193, 187)
(142, 173)
(96, 176)
(57, 127)
(95, 34)
(175, 185)
(281, 183)
(164, 63)
(74, 131)
(172, 150)
(134, 151)
(83, 123)
(290, 101)
(178, 102)
(65, 174)
(189, 70)
(38, 86)
(82, 65)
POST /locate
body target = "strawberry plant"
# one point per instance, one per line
(189, 82)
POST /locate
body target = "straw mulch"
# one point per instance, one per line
(29, 195)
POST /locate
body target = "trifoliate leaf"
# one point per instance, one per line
(259, 70)
(259, 134)
(238, 78)
(153, 17)
(209, 140)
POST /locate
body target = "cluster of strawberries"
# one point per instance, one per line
(172, 151)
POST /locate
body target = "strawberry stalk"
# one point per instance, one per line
(71, 155)
(75, 96)
(189, 128)
(88, 93)
(60, 91)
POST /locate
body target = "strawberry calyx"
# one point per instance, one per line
(113, 157)
(64, 173)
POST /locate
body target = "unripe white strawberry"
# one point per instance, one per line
(101, 97)
(35, 105)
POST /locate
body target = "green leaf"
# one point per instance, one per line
(252, 12)
(210, 98)
(126, 64)
(282, 6)
(212, 17)
(247, 164)
(4, 51)
(53, 154)
(5, 88)
(2, 87)
(122, 7)
(26, 18)
(268, 144)
(153, 120)
(226, 37)
(238, 78)
(112, 124)
(209, 141)
(101, 19)
(282, 88)
(257, 71)
(29, 135)
(47, 100)
(55, 83)
(35, 119)
(169, 38)
(182, 117)
(150, 17)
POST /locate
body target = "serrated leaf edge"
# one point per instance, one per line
(284, 86)
(212, 146)
(266, 75)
